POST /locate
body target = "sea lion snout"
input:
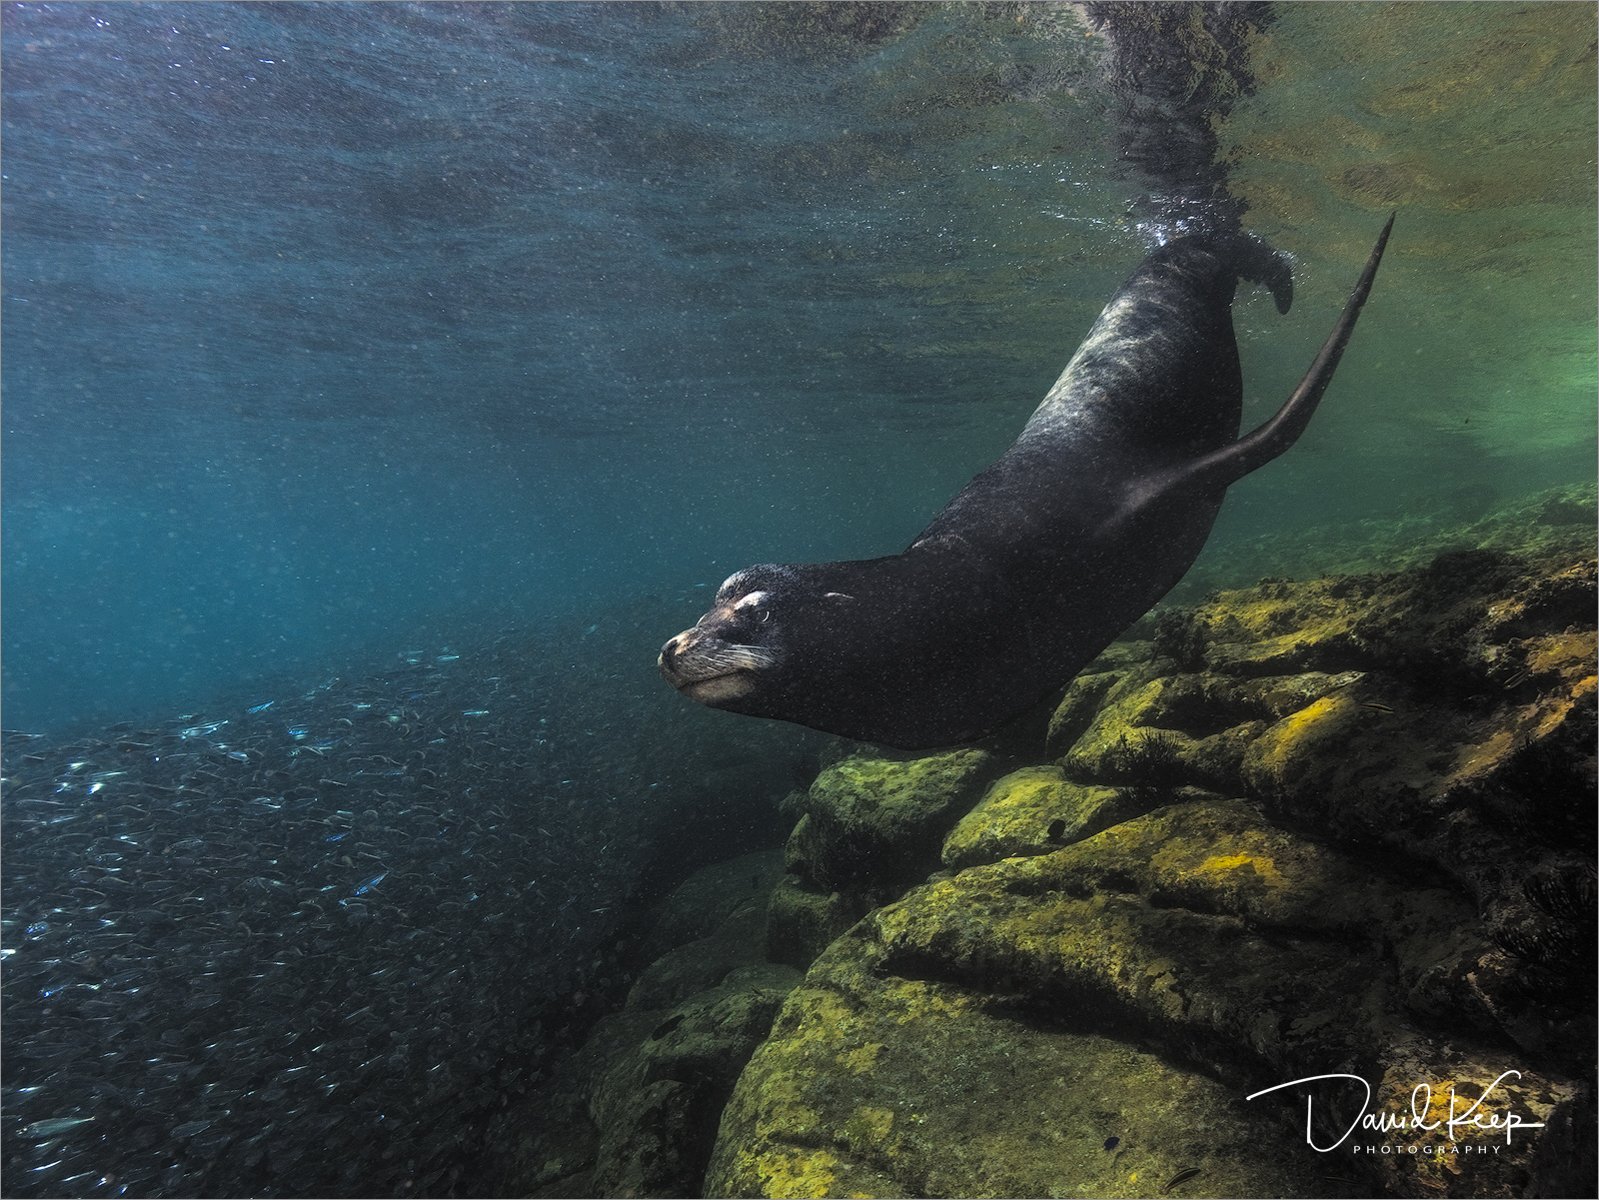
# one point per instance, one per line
(668, 651)
(689, 657)
(704, 665)
(669, 654)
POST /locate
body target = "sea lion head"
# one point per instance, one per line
(749, 654)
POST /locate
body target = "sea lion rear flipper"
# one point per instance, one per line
(1259, 263)
(1215, 471)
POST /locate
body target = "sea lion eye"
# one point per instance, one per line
(763, 615)
(756, 602)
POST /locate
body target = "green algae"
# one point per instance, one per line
(875, 824)
(1033, 811)
(877, 1085)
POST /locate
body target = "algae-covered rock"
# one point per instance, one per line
(988, 1033)
(1079, 705)
(1467, 745)
(1033, 811)
(867, 829)
(633, 1111)
(1339, 827)
(698, 905)
(1159, 728)
(801, 921)
(1444, 714)
(873, 826)
(1456, 623)
(879, 1085)
(657, 1107)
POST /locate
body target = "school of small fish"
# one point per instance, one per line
(294, 948)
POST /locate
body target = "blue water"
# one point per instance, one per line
(329, 323)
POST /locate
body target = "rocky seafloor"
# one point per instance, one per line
(1334, 826)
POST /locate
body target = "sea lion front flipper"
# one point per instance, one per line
(1216, 471)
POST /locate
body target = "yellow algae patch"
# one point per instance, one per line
(827, 1016)
(1439, 1100)
(921, 1002)
(1268, 626)
(1035, 810)
(1186, 844)
(1309, 614)
(797, 1173)
(876, 1122)
(784, 1094)
(1486, 755)
(1258, 864)
(1569, 655)
(862, 1058)
(1284, 740)
(1294, 725)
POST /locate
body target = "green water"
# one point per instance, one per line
(1476, 122)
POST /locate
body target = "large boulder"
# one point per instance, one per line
(868, 828)
(993, 1033)
(657, 1106)
(1441, 716)
(634, 1110)
(878, 1084)
(874, 825)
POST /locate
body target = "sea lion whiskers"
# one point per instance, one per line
(739, 658)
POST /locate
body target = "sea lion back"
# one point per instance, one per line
(1160, 365)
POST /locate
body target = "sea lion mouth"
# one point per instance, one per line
(718, 689)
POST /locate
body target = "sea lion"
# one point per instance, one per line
(1092, 515)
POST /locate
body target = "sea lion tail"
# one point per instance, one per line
(1255, 260)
